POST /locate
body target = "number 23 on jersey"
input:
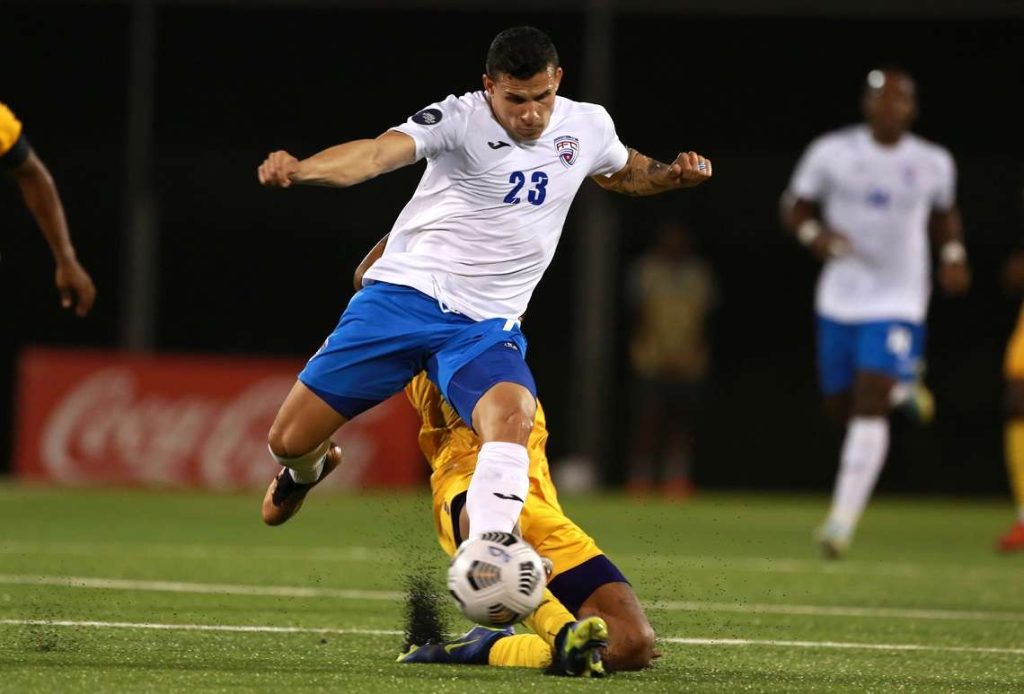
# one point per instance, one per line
(535, 193)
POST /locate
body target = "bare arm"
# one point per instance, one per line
(946, 226)
(340, 166)
(40, 193)
(947, 231)
(372, 257)
(643, 175)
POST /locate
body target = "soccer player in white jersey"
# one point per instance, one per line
(863, 200)
(462, 260)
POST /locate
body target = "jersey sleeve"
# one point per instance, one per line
(810, 179)
(613, 154)
(440, 127)
(944, 197)
(14, 148)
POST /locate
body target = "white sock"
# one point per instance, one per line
(864, 451)
(305, 469)
(498, 488)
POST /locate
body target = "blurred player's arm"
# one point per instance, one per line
(40, 194)
(643, 175)
(340, 166)
(372, 257)
(947, 232)
(803, 219)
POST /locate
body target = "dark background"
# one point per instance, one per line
(248, 270)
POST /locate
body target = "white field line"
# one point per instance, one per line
(207, 588)
(842, 644)
(383, 555)
(836, 611)
(248, 629)
(394, 596)
(199, 551)
(382, 632)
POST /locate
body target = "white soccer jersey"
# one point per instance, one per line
(484, 221)
(881, 198)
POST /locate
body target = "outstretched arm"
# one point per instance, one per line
(40, 193)
(643, 175)
(342, 165)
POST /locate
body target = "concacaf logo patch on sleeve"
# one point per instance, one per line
(428, 116)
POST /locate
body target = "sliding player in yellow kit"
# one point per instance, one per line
(587, 602)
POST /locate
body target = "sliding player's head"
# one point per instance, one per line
(890, 103)
(521, 80)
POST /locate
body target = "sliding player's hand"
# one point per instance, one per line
(688, 170)
(954, 278)
(277, 168)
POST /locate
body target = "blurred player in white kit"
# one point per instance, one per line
(863, 199)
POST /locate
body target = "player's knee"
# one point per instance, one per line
(630, 647)
(505, 416)
(871, 394)
(283, 442)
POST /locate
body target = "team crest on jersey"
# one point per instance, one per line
(567, 148)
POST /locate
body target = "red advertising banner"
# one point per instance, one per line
(195, 421)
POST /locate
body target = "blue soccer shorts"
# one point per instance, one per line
(890, 347)
(389, 333)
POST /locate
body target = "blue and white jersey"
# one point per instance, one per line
(881, 198)
(484, 222)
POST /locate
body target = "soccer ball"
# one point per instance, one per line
(497, 579)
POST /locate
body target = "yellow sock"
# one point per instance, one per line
(1015, 462)
(548, 619)
(521, 650)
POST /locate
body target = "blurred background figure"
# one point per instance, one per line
(864, 200)
(670, 291)
(1013, 368)
(37, 188)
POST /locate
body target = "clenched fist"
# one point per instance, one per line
(688, 170)
(277, 169)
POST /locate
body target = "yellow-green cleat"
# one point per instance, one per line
(577, 649)
(917, 403)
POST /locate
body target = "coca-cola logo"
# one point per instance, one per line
(106, 427)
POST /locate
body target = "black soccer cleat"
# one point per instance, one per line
(284, 496)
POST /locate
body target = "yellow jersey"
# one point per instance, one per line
(447, 442)
(10, 129)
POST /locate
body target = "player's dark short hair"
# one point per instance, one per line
(520, 53)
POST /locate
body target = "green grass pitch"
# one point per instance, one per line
(118, 590)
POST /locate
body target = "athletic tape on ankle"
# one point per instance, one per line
(303, 462)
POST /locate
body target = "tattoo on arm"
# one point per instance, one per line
(640, 176)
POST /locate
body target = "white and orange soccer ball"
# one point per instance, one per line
(497, 579)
